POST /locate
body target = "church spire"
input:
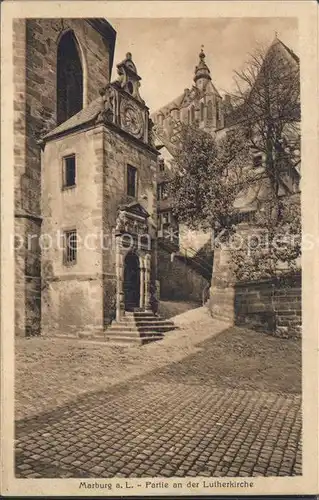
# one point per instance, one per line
(201, 71)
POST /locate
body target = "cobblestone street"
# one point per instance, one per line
(184, 418)
(155, 429)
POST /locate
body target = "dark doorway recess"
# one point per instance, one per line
(131, 282)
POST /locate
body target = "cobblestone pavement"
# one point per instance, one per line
(155, 428)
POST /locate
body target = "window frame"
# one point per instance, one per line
(66, 249)
(66, 186)
(134, 169)
(162, 191)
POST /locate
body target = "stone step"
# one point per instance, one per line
(138, 327)
(130, 339)
(144, 319)
(136, 332)
(145, 324)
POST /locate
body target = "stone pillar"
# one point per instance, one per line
(147, 299)
(119, 282)
(142, 283)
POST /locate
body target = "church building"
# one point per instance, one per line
(85, 179)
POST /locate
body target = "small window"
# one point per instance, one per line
(161, 165)
(217, 112)
(131, 181)
(69, 171)
(70, 247)
(166, 218)
(209, 110)
(202, 107)
(162, 191)
(257, 160)
(192, 110)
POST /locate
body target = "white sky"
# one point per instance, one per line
(165, 51)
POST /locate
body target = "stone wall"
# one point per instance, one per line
(270, 305)
(179, 281)
(35, 43)
(120, 150)
(73, 294)
(273, 305)
(81, 298)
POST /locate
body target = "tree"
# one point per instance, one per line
(211, 174)
(207, 177)
(271, 249)
(267, 111)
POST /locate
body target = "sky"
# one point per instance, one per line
(165, 51)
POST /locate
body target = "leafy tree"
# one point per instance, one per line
(207, 177)
(210, 174)
(267, 111)
(272, 249)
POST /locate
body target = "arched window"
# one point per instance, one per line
(209, 110)
(69, 78)
(192, 114)
(201, 111)
(217, 112)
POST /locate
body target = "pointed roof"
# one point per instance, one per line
(202, 70)
(280, 43)
(236, 114)
(175, 104)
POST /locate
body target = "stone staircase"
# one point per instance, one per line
(139, 327)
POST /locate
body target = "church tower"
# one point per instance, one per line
(202, 72)
(99, 187)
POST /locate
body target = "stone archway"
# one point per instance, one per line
(131, 285)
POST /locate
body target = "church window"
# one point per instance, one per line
(202, 111)
(131, 179)
(217, 112)
(69, 78)
(69, 171)
(192, 114)
(209, 110)
(70, 247)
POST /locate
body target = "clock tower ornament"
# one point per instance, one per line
(130, 112)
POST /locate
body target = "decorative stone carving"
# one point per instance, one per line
(150, 132)
(127, 223)
(108, 104)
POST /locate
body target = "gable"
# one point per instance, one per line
(134, 208)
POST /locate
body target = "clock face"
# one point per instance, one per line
(132, 120)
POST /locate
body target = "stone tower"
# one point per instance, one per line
(59, 66)
(99, 196)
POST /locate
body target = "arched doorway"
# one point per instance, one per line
(69, 78)
(131, 281)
